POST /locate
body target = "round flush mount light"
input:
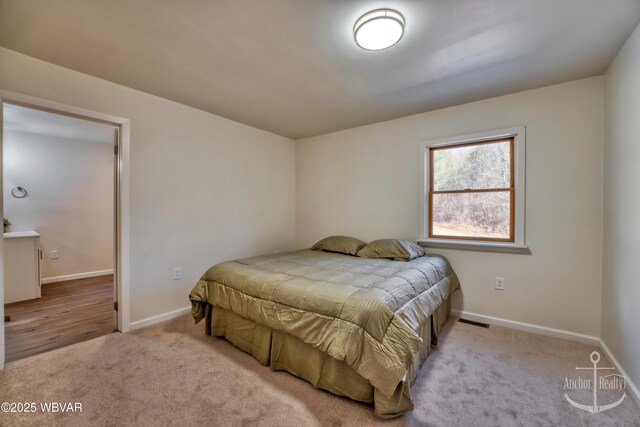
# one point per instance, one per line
(379, 29)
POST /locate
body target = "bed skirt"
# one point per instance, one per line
(284, 352)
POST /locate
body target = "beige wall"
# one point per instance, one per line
(202, 188)
(70, 202)
(621, 278)
(365, 182)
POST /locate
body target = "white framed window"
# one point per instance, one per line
(473, 191)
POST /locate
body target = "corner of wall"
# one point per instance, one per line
(620, 295)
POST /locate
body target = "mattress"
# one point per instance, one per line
(367, 314)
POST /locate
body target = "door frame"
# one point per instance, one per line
(121, 265)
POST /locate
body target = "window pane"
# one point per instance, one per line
(472, 167)
(484, 215)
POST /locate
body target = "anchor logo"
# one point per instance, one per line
(595, 408)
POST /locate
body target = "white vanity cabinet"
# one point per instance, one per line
(21, 266)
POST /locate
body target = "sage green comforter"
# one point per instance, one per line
(365, 312)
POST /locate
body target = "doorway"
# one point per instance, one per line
(61, 182)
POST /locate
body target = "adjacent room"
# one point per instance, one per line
(285, 213)
(58, 185)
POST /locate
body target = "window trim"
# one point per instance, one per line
(517, 244)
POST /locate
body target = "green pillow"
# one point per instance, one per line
(399, 250)
(342, 244)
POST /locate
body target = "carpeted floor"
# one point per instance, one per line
(171, 374)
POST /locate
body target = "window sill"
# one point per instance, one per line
(512, 248)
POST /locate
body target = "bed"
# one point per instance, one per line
(357, 327)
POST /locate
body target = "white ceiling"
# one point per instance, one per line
(17, 118)
(291, 66)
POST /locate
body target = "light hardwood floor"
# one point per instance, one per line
(68, 312)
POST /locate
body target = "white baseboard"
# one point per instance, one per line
(55, 279)
(159, 318)
(528, 327)
(632, 390)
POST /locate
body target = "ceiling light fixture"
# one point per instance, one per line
(379, 29)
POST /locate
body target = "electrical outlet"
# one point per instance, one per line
(177, 273)
(500, 283)
(54, 255)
